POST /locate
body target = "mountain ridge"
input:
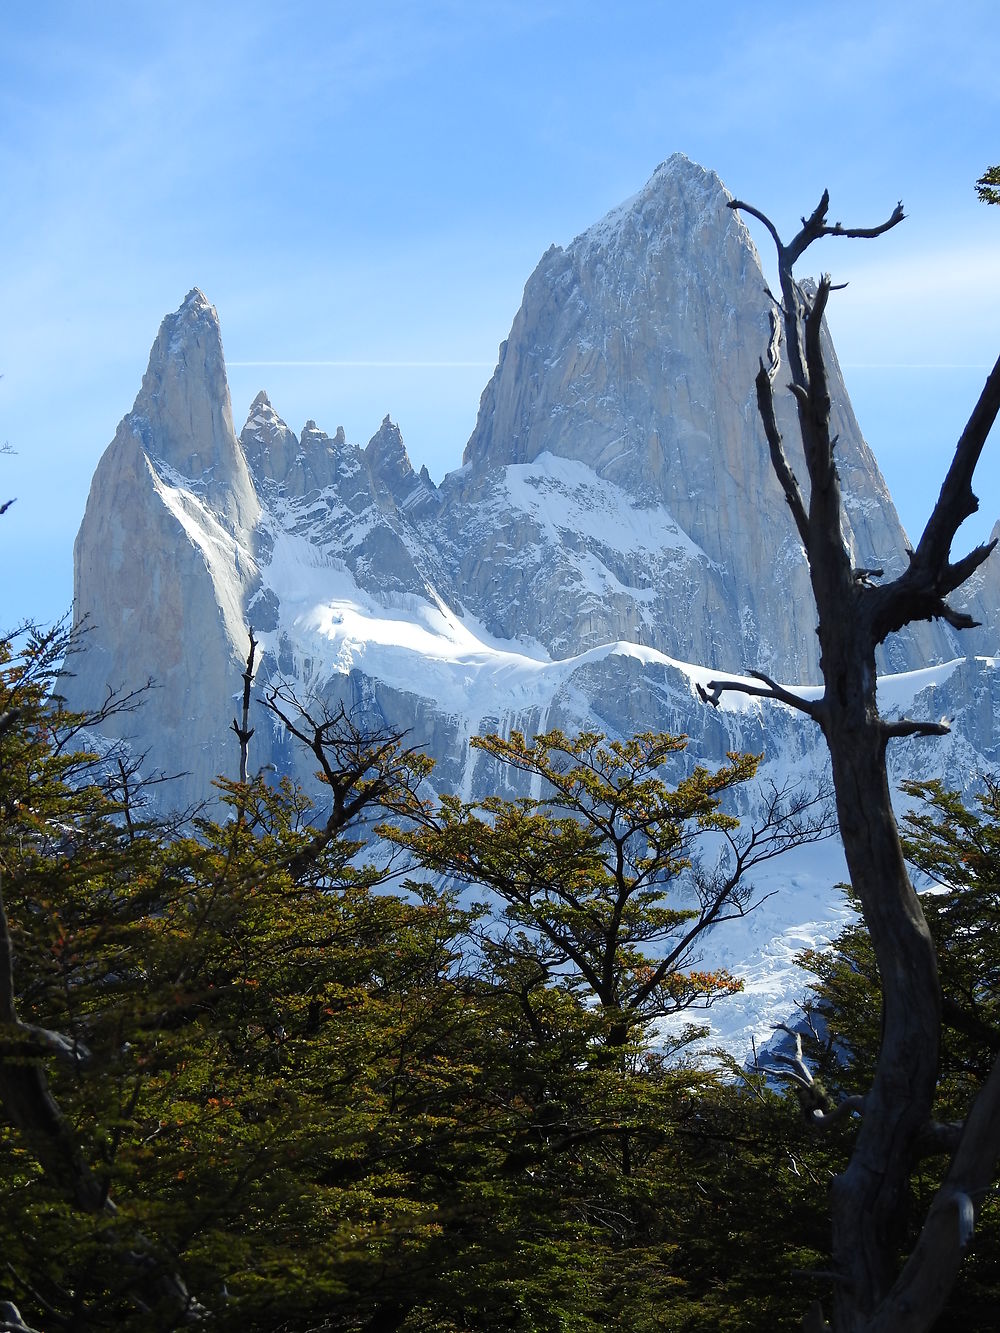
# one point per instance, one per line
(613, 538)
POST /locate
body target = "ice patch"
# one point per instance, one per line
(563, 495)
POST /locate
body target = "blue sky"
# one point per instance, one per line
(374, 188)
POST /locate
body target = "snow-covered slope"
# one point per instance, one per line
(613, 539)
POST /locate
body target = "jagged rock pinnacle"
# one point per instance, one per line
(617, 518)
(618, 485)
(182, 414)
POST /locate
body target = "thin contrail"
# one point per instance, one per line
(486, 365)
(378, 365)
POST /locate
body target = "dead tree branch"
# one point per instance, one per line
(855, 615)
(244, 732)
(905, 726)
(768, 689)
(921, 591)
(779, 459)
(813, 1098)
(363, 770)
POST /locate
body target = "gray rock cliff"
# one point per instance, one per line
(163, 563)
(634, 354)
(614, 530)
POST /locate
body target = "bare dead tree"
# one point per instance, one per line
(873, 1291)
(366, 771)
(6, 504)
(244, 732)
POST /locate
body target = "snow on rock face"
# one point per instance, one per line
(183, 413)
(393, 477)
(163, 562)
(615, 522)
(634, 352)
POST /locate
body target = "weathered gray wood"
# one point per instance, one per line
(855, 614)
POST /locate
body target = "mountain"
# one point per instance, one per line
(613, 537)
(162, 562)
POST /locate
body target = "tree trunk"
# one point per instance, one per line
(869, 1199)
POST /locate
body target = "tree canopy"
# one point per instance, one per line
(247, 1083)
(988, 186)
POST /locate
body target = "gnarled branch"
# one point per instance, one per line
(813, 1098)
(815, 226)
(921, 590)
(768, 689)
(779, 459)
(957, 502)
(245, 731)
(906, 726)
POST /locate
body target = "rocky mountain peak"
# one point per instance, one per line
(197, 305)
(268, 444)
(392, 472)
(627, 324)
(182, 416)
(386, 443)
(629, 371)
(680, 199)
(262, 417)
(618, 487)
(164, 559)
(189, 340)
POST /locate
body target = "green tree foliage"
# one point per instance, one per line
(261, 1068)
(597, 874)
(247, 1086)
(957, 849)
(751, 1207)
(988, 186)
